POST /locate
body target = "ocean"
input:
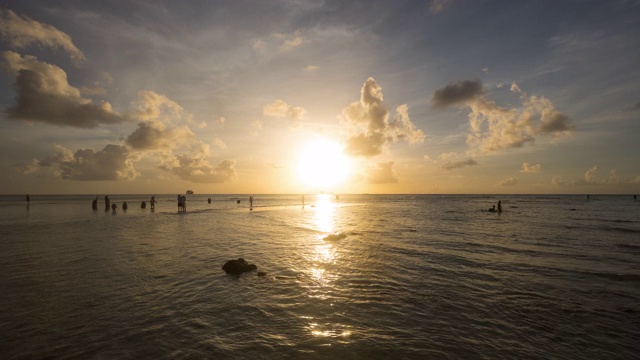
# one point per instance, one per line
(347, 277)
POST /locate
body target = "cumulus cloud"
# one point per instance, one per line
(508, 182)
(382, 173)
(533, 168)
(494, 128)
(456, 93)
(373, 128)
(44, 95)
(113, 163)
(21, 31)
(196, 168)
(163, 125)
(163, 132)
(590, 178)
(280, 108)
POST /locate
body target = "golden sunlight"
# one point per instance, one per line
(322, 164)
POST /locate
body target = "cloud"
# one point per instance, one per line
(494, 128)
(590, 178)
(373, 129)
(30, 168)
(21, 31)
(280, 108)
(437, 6)
(450, 165)
(196, 168)
(311, 68)
(456, 93)
(163, 125)
(256, 126)
(112, 163)
(163, 133)
(526, 168)
(382, 173)
(635, 107)
(508, 182)
(44, 95)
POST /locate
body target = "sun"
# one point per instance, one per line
(322, 164)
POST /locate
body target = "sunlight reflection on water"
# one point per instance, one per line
(324, 213)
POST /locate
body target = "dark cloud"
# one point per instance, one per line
(635, 107)
(44, 95)
(455, 93)
(555, 122)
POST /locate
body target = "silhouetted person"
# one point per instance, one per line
(209, 200)
(113, 208)
(492, 209)
(124, 206)
(94, 204)
(634, 197)
(28, 200)
(499, 206)
(107, 203)
(250, 202)
(143, 205)
(153, 202)
(587, 197)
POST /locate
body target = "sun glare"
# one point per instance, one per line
(322, 164)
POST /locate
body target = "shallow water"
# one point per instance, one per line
(362, 276)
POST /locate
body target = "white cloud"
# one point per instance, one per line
(533, 168)
(508, 182)
(279, 108)
(373, 130)
(495, 128)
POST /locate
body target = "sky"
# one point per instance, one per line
(301, 96)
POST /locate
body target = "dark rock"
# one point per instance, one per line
(262, 273)
(237, 267)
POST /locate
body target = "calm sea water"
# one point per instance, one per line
(359, 277)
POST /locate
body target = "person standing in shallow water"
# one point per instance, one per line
(250, 202)
(28, 200)
(94, 204)
(153, 202)
(499, 206)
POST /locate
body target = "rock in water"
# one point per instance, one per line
(238, 267)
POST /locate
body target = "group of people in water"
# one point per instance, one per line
(494, 209)
(114, 207)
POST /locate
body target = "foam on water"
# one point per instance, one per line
(360, 277)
